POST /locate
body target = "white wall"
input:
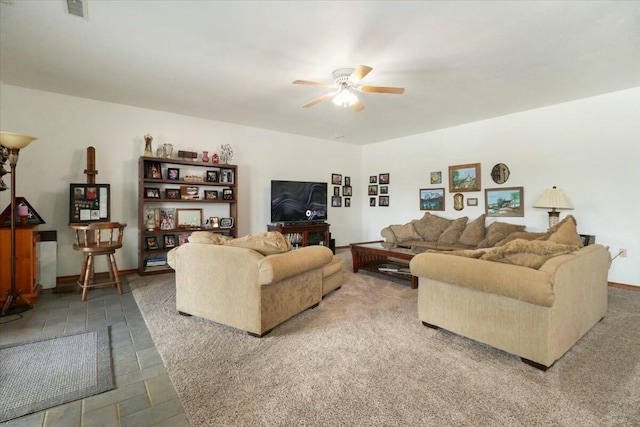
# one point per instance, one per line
(590, 148)
(65, 126)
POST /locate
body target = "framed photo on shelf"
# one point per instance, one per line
(182, 239)
(172, 193)
(226, 176)
(226, 222)
(169, 241)
(227, 194)
(151, 193)
(167, 219)
(173, 174)
(87, 203)
(152, 243)
(214, 222)
(384, 178)
(189, 218)
(383, 201)
(432, 199)
(152, 170)
(336, 179)
(464, 178)
(211, 194)
(504, 201)
(212, 176)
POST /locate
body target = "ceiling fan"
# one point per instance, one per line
(346, 82)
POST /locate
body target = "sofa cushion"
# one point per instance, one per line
(565, 232)
(267, 243)
(452, 233)
(430, 227)
(498, 231)
(474, 232)
(528, 253)
(404, 232)
(208, 237)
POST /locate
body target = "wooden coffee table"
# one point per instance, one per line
(372, 256)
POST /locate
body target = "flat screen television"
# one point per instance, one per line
(297, 201)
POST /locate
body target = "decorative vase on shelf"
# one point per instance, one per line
(205, 156)
(148, 151)
(168, 150)
(226, 153)
(215, 159)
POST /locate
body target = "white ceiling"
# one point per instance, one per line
(234, 61)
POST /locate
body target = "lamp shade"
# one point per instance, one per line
(553, 198)
(15, 140)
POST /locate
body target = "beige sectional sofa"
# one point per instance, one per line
(252, 283)
(534, 299)
(434, 232)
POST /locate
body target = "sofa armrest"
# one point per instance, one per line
(388, 235)
(274, 268)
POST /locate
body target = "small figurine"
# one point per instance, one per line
(205, 156)
(215, 159)
(148, 151)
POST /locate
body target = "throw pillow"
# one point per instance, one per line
(267, 243)
(207, 237)
(474, 232)
(526, 235)
(565, 232)
(452, 233)
(528, 253)
(430, 227)
(498, 231)
(404, 232)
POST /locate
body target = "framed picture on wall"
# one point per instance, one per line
(464, 178)
(504, 201)
(432, 199)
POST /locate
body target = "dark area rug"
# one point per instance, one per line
(39, 374)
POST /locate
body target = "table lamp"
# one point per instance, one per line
(553, 198)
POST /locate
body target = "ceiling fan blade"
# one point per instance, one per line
(319, 100)
(357, 106)
(359, 73)
(305, 82)
(381, 89)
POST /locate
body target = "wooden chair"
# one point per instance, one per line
(98, 238)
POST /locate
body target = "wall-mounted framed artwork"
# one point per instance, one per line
(504, 201)
(435, 177)
(464, 178)
(336, 179)
(432, 199)
(383, 178)
(383, 201)
(472, 202)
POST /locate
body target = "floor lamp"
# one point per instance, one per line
(14, 142)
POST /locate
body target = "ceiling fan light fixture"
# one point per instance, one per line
(345, 98)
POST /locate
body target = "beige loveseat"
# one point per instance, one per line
(246, 285)
(534, 299)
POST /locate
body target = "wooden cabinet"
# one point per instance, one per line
(26, 281)
(177, 197)
(303, 234)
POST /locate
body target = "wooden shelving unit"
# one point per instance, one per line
(303, 234)
(156, 183)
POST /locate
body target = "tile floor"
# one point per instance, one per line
(143, 393)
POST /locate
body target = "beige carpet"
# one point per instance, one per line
(362, 358)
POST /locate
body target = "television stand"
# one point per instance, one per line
(303, 234)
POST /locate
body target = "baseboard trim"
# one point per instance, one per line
(624, 286)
